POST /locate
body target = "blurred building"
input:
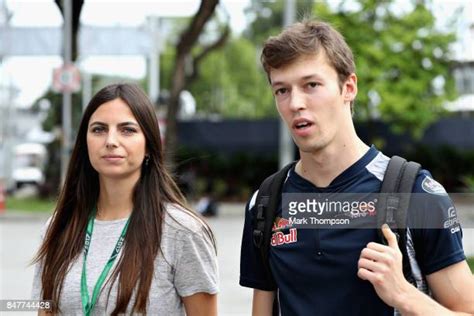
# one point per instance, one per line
(463, 72)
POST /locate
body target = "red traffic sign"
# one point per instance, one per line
(66, 79)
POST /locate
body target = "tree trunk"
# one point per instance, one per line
(183, 51)
(177, 85)
(76, 14)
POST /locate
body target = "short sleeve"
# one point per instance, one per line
(36, 291)
(252, 272)
(438, 242)
(196, 268)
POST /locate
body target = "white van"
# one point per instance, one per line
(28, 164)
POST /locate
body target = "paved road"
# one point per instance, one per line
(19, 239)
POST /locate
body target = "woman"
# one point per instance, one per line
(121, 239)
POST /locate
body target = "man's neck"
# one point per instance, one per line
(115, 199)
(322, 167)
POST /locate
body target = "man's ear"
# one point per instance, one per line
(350, 88)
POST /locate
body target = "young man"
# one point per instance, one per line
(343, 271)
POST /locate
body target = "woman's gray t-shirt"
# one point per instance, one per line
(186, 266)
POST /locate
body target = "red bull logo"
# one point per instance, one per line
(280, 223)
(279, 238)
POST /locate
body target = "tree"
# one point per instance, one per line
(402, 61)
(180, 78)
(76, 13)
(267, 17)
(232, 83)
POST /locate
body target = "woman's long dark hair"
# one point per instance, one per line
(64, 239)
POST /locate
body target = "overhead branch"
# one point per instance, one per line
(190, 36)
(219, 43)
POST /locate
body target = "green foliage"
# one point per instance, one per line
(177, 26)
(470, 262)
(468, 180)
(230, 81)
(232, 84)
(397, 55)
(166, 66)
(267, 18)
(53, 118)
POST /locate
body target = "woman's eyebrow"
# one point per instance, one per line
(128, 123)
(98, 123)
(119, 125)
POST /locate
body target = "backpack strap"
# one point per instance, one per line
(268, 199)
(392, 207)
(389, 199)
(267, 202)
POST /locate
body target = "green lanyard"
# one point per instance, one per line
(88, 306)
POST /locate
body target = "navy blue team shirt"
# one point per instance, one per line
(315, 270)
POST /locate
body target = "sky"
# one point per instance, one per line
(32, 76)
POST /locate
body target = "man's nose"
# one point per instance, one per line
(297, 100)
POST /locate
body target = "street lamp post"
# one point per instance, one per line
(286, 148)
(67, 97)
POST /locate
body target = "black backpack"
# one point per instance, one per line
(392, 208)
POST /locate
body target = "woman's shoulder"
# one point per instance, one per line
(182, 219)
(45, 227)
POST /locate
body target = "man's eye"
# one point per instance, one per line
(314, 84)
(281, 91)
